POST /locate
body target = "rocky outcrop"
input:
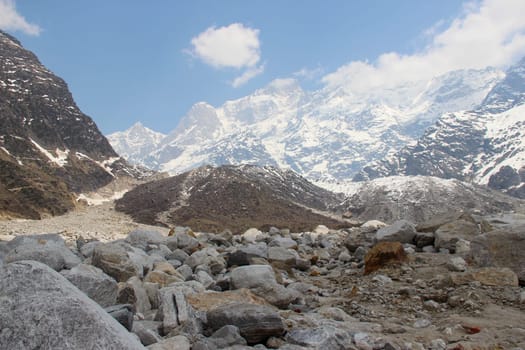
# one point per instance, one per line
(49, 150)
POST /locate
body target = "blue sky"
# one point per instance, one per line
(128, 60)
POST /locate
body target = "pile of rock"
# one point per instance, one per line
(449, 283)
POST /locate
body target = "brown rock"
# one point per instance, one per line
(208, 301)
(162, 278)
(384, 254)
(165, 267)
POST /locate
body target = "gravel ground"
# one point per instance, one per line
(100, 222)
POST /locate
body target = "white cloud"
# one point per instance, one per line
(233, 46)
(488, 33)
(10, 19)
(249, 74)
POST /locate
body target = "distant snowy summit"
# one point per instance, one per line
(136, 143)
(485, 145)
(325, 135)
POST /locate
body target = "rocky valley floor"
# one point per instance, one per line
(454, 282)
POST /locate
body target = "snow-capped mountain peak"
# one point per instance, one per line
(485, 145)
(327, 134)
(136, 143)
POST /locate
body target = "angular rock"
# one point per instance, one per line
(447, 236)
(162, 278)
(187, 242)
(94, 283)
(228, 335)
(123, 313)
(252, 276)
(424, 239)
(245, 255)
(282, 256)
(178, 342)
(49, 249)
(255, 322)
(87, 249)
(501, 248)
(384, 254)
(209, 300)
(457, 264)
(175, 313)
(115, 260)
(326, 337)
(261, 280)
(152, 290)
(142, 238)
(185, 271)
(462, 246)
(400, 231)
(283, 242)
(373, 225)
(133, 292)
(147, 331)
(251, 235)
(42, 310)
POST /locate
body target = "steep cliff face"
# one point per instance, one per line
(49, 149)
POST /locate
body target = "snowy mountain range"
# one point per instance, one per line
(485, 145)
(325, 135)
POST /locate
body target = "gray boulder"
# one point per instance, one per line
(147, 331)
(400, 231)
(228, 335)
(449, 234)
(252, 276)
(246, 255)
(117, 261)
(501, 248)
(133, 292)
(256, 323)
(142, 238)
(282, 256)
(178, 342)
(123, 313)
(42, 310)
(49, 249)
(94, 283)
(260, 279)
(326, 337)
(283, 242)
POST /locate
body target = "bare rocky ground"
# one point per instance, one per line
(99, 222)
(452, 283)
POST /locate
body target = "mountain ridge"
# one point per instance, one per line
(327, 134)
(484, 145)
(49, 150)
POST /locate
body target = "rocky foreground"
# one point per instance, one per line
(449, 283)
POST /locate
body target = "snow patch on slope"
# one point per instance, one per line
(61, 156)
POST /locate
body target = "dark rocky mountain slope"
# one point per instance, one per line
(232, 197)
(49, 149)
